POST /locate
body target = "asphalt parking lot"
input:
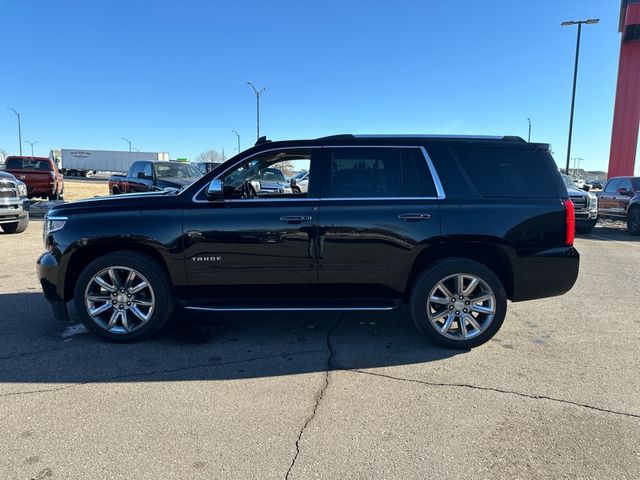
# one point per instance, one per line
(556, 394)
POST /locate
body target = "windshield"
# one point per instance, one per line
(569, 183)
(27, 164)
(176, 170)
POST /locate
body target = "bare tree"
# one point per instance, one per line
(208, 156)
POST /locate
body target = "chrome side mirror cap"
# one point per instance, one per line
(214, 190)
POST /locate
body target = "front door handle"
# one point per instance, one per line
(414, 217)
(296, 219)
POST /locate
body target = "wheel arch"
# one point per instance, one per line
(85, 255)
(493, 256)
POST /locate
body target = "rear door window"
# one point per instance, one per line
(378, 173)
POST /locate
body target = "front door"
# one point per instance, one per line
(262, 233)
(607, 202)
(379, 207)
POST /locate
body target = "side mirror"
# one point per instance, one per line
(294, 182)
(256, 185)
(623, 191)
(214, 190)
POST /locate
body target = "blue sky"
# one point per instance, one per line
(171, 76)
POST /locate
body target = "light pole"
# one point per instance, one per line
(129, 142)
(575, 75)
(19, 128)
(32, 144)
(237, 135)
(258, 93)
(529, 137)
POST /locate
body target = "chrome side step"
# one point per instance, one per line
(292, 309)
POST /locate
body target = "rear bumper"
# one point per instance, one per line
(47, 268)
(545, 274)
(12, 210)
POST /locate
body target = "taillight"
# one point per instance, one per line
(571, 222)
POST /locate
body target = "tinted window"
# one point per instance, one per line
(636, 184)
(625, 183)
(508, 172)
(27, 164)
(379, 172)
(136, 168)
(612, 185)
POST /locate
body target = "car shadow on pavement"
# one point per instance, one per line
(36, 348)
(609, 234)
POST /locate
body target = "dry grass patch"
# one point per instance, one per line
(79, 190)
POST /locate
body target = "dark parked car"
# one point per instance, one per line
(148, 176)
(620, 199)
(585, 206)
(452, 226)
(14, 204)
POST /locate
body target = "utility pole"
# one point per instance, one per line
(19, 128)
(127, 142)
(32, 144)
(575, 75)
(237, 135)
(529, 137)
(258, 93)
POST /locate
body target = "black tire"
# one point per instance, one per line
(633, 221)
(16, 227)
(584, 229)
(152, 272)
(115, 191)
(428, 281)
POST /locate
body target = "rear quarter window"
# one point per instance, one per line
(508, 172)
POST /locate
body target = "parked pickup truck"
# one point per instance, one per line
(148, 176)
(620, 200)
(14, 204)
(40, 174)
(585, 206)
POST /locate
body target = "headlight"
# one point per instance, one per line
(52, 224)
(593, 201)
(22, 189)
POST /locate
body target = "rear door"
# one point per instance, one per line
(379, 208)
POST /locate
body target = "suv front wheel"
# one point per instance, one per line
(458, 303)
(123, 296)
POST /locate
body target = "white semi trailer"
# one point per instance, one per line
(80, 162)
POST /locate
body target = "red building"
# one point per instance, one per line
(626, 116)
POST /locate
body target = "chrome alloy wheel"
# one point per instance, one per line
(461, 306)
(119, 300)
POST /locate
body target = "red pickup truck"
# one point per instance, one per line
(40, 174)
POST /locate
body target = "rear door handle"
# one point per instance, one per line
(414, 217)
(296, 219)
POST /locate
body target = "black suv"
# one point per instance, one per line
(451, 226)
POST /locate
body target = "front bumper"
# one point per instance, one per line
(545, 273)
(47, 268)
(13, 210)
(586, 217)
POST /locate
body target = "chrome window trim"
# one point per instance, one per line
(432, 170)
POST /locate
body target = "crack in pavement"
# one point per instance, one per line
(161, 371)
(318, 397)
(497, 390)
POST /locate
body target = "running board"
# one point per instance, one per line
(294, 306)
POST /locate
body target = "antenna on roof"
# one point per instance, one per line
(262, 140)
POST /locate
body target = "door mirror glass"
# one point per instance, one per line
(144, 176)
(214, 190)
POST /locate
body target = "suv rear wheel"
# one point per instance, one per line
(123, 296)
(458, 303)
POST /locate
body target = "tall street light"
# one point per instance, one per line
(529, 137)
(19, 128)
(575, 76)
(128, 141)
(237, 135)
(32, 144)
(258, 93)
